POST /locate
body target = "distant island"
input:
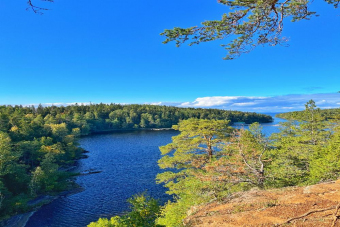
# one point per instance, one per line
(325, 114)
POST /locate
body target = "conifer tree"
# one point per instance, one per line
(246, 25)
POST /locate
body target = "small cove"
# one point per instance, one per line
(128, 161)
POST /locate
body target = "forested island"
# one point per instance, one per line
(326, 114)
(38, 143)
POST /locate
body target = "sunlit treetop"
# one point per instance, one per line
(248, 24)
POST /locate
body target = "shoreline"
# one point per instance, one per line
(20, 220)
(153, 129)
(126, 130)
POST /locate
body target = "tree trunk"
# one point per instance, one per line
(260, 180)
(209, 150)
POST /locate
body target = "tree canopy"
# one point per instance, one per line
(37, 142)
(248, 23)
(304, 151)
(195, 148)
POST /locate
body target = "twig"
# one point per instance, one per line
(335, 216)
(37, 9)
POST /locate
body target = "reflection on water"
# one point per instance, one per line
(269, 128)
(128, 161)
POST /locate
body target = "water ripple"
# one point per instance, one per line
(128, 161)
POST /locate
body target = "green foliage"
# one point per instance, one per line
(195, 143)
(27, 121)
(144, 211)
(30, 154)
(245, 160)
(59, 131)
(192, 149)
(303, 152)
(326, 114)
(7, 158)
(36, 142)
(207, 161)
(247, 25)
(104, 222)
(190, 152)
(236, 164)
(290, 158)
(45, 177)
(173, 213)
(299, 146)
(325, 164)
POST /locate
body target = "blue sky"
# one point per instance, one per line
(111, 51)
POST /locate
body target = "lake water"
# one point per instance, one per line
(128, 161)
(269, 128)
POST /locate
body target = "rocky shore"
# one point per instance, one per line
(20, 220)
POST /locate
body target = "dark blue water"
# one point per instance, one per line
(128, 161)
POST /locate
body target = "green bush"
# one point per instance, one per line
(144, 212)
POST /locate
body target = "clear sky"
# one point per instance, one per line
(111, 51)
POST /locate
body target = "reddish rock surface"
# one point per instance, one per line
(272, 208)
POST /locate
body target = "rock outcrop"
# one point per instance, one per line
(315, 205)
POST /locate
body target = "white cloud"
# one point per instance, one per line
(244, 104)
(210, 101)
(281, 103)
(320, 102)
(156, 103)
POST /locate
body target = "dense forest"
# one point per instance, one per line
(209, 161)
(36, 143)
(102, 117)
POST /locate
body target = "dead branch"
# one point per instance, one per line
(335, 216)
(308, 213)
(37, 9)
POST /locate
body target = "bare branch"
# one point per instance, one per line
(335, 215)
(37, 9)
(306, 214)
